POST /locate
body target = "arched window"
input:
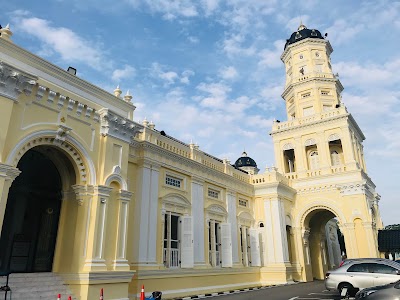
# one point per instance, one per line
(335, 158)
(313, 160)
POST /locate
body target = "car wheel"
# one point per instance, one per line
(350, 289)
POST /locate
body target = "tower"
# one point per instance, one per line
(319, 150)
(314, 109)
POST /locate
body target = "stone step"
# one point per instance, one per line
(44, 286)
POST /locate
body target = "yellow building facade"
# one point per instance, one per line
(104, 201)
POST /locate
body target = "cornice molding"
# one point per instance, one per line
(34, 64)
(117, 126)
(230, 181)
(310, 124)
(14, 82)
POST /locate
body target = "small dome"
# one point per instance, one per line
(245, 161)
(302, 33)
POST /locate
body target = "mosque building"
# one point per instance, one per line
(98, 199)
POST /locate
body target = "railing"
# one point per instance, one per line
(173, 258)
(309, 119)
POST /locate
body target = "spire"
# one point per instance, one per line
(302, 26)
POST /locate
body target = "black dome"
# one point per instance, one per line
(245, 161)
(302, 33)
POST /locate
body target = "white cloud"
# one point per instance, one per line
(271, 58)
(210, 6)
(168, 77)
(126, 72)
(228, 72)
(193, 39)
(343, 32)
(171, 9)
(185, 76)
(233, 45)
(69, 45)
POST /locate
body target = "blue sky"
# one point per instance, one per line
(209, 70)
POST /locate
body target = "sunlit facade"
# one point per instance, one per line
(104, 201)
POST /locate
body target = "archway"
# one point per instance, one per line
(30, 226)
(325, 241)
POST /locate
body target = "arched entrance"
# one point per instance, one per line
(30, 226)
(325, 241)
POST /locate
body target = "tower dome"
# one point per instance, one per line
(302, 33)
(246, 163)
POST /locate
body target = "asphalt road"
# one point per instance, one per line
(301, 291)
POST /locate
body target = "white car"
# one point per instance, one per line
(360, 274)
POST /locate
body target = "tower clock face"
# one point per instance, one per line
(317, 54)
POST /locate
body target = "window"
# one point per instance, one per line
(382, 269)
(173, 181)
(305, 95)
(363, 268)
(171, 240)
(213, 193)
(214, 243)
(308, 111)
(243, 202)
(289, 158)
(324, 92)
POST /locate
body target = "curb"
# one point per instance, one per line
(209, 295)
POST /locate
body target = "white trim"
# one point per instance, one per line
(53, 133)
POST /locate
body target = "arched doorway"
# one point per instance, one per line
(30, 226)
(325, 241)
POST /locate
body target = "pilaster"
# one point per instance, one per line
(123, 198)
(7, 176)
(97, 229)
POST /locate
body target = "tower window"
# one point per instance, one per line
(313, 160)
(313, 33)
(298, 35)
(289, 161)
(308, 111)
(306, 95)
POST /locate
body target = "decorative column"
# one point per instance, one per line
(232, 219)
(306, 235)
(198, 221)
(97, 229)
(347, 144)
(146, 215)
(7, 176)
(301, 159)
(123, 199)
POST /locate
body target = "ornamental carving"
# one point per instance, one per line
(117, 126)
(14, 82)
(310, 142)
(288, 146)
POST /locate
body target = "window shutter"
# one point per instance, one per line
(254, 248)
(187, 251)
(226, 245)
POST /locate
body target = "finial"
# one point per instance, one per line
(302, 26)
(152, 125)
(6, 33)
(145, 122)
(117, 91)
(127, 97)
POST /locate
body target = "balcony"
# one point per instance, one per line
(278, 126)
